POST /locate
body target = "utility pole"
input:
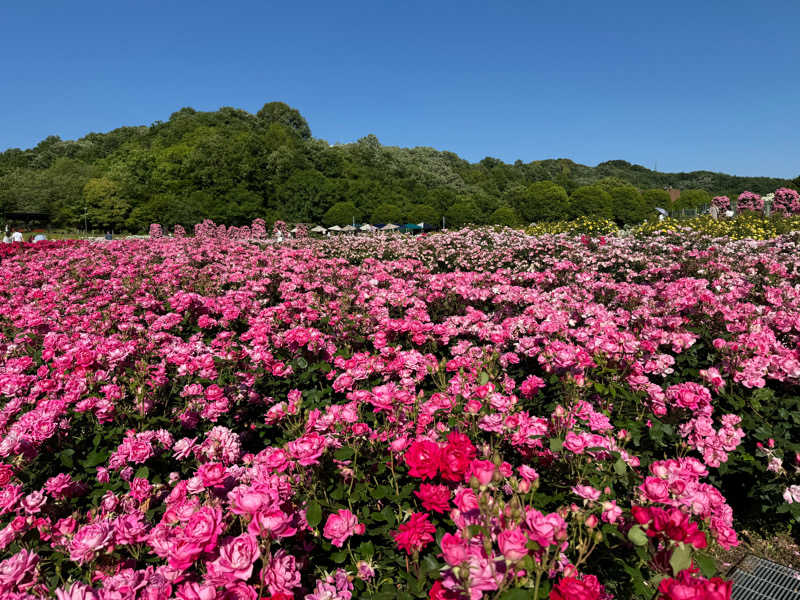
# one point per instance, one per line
(85, 222)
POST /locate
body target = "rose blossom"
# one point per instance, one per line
(340, 526)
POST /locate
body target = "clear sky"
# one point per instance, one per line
(706, 84)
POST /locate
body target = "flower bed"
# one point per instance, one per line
(468, 415)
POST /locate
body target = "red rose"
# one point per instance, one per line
(455, 456)
(571, 588)
(434, 497)
(422, 459)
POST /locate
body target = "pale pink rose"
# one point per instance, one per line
(340, 526)
(33, 502)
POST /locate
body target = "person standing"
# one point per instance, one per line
(16, 236)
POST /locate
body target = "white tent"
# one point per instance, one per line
(348, 228)
(319, 229)
(335, 228)
(366, 227)
(389, 227)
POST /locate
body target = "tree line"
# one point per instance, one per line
(232, 166)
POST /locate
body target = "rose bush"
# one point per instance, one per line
(464, 415)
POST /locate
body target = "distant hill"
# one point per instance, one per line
(232, 166)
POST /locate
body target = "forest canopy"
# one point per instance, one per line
(233, 166)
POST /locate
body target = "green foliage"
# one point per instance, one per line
(505, 215)
(692, 199)
(627, 204)
(278, 112)
(341, 213)
(233, 166)
(462, 213)
(591, 201)
(387, 213)
(656, 198)
(542, 201)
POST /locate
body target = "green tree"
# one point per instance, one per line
(627, 204)
(305, 196)
(505, 215)
(422, 213)
(341, 213)
(387, 213)
(692, 199)
(592, 201)
(279, 112)
(462, 213)
(543, 201)
(106, 208)
(656, 198)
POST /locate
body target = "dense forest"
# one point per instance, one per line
(232, 166)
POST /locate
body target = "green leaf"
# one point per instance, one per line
(142, 472)
(95, 458)
(516, 594)
(66, 458)
(556, 444)
(619, 467)
(313, 514)
(339, 557)
(637, 536)
(484, 378)
(344, 453)
(681, 559)
(302, 363)
(366, 550)
(708, 566)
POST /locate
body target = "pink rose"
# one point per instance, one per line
(454, 549)
(77, 591)
(545, 530)
(236, 558)
(18, 571)
(656, 490)
(203, 528)
(340, 526)
(512, 544)
(281, 574)
(483, 470)
(307, 449)
(89, 539)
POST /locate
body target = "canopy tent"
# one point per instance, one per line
(366, 227)
(662, 211)
(411, 227)
(319, 229)
(335, 228)
(425, 226)
(293, 230)
(390, 227)
(348, 228)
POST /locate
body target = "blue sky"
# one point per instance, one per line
(685, 85)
